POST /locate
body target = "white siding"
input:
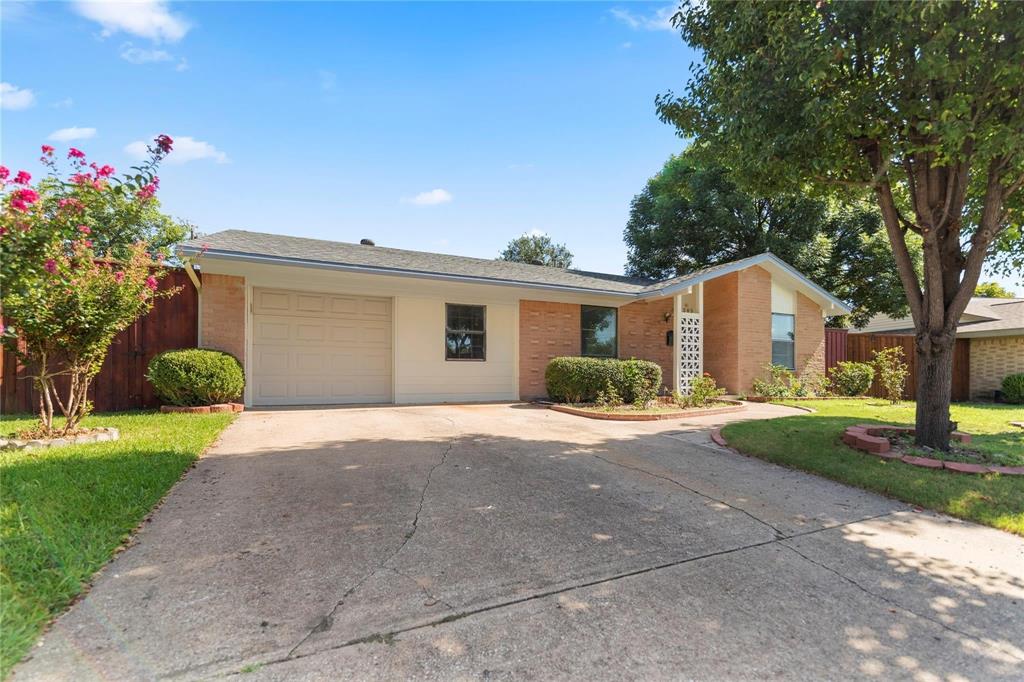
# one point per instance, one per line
(783, 298)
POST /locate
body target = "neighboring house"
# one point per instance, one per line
(995, 328)
(320, 322)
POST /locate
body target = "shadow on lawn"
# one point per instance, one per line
(330, 541)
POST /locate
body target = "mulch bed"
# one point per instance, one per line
(636, 416)
(890, 441)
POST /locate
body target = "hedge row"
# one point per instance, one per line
(578, 380)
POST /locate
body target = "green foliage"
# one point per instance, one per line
(1013, 388)
(777, 383)
(852, 378)
(580, 380)
(892, 372)
(993, 290)
(196, 377)
(537, 249)
(608, 398)
(703, 392)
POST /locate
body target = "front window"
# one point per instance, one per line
(465, 332)
(783, 338)
(600, 331)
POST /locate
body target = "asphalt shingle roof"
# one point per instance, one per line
(319, 251)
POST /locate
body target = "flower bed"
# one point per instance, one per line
(889, 441)
(660, 411)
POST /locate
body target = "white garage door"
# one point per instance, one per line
(313, 349)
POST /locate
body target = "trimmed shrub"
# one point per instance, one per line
(851, 378)
(581, 380)
(892, 372)
(196, 377)
(1013, 388)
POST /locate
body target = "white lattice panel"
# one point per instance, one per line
(691, 359)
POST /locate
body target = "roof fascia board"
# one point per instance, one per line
(395, 272)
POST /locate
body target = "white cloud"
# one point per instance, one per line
(185, 149)
(140, 55)
(65, 103)
(144, 18)
(182, 65)
(72, 133)
(431, 198)
(626, 45)
(12, 97)
(658, 20)
(328, 80)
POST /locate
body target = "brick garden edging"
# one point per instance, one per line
(203, 409)
(734, 406)
(868, 438)
(101, 434)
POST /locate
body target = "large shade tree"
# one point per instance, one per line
(537, 249)
(917, 103)
(692, 214)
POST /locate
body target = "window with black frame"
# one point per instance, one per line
(599, 329)
(465, 332)
(783, 340)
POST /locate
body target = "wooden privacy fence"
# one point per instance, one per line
(121, 384)
(859, 348)
(835, 347)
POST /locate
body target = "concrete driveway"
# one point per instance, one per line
(505, 541)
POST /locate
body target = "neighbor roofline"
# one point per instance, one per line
(397, 272)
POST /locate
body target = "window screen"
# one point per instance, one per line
(599, 327)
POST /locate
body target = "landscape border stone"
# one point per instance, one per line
(868, 438)
(100, 434)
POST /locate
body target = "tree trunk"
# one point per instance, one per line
(934, 388)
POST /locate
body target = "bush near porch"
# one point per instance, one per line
(581, 380)
(66, 510)
(812, 442)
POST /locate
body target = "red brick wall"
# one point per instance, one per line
(222, 314)
(810, 338)
(546, 330)
(721, 330)
(754, 308)
(642, 330)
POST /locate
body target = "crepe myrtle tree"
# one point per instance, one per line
(918, 104)
(76, 268)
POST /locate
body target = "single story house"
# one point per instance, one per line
(995, 329)
(323, 322)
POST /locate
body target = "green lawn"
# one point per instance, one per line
(812, 442)
(63, 512)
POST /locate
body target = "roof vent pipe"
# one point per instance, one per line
(367, 242)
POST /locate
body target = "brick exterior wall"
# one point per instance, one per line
(992, 359)
(549, 330)
(642, 331)
(721, 330)
(546, 330)
(810, 338)
(754, 312)
(222, 314)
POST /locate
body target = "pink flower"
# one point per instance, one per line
(105, 171)
(84, 229)
(82, 178)
(118, 276)
(22, 178)
(51, 266)
(164, 143)
(71, 204)
(151, 283)
(4, 173)
(47, 150)
(21, 199)
(76, 153)
(147, 191)
(87, 243)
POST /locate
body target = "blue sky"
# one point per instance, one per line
(448, 127)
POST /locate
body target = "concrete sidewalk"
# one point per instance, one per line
(506, 541)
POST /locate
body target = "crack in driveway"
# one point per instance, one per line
(327, 622)
(778, 533)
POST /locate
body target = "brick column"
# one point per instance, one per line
(222, 314)
(810, 338)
